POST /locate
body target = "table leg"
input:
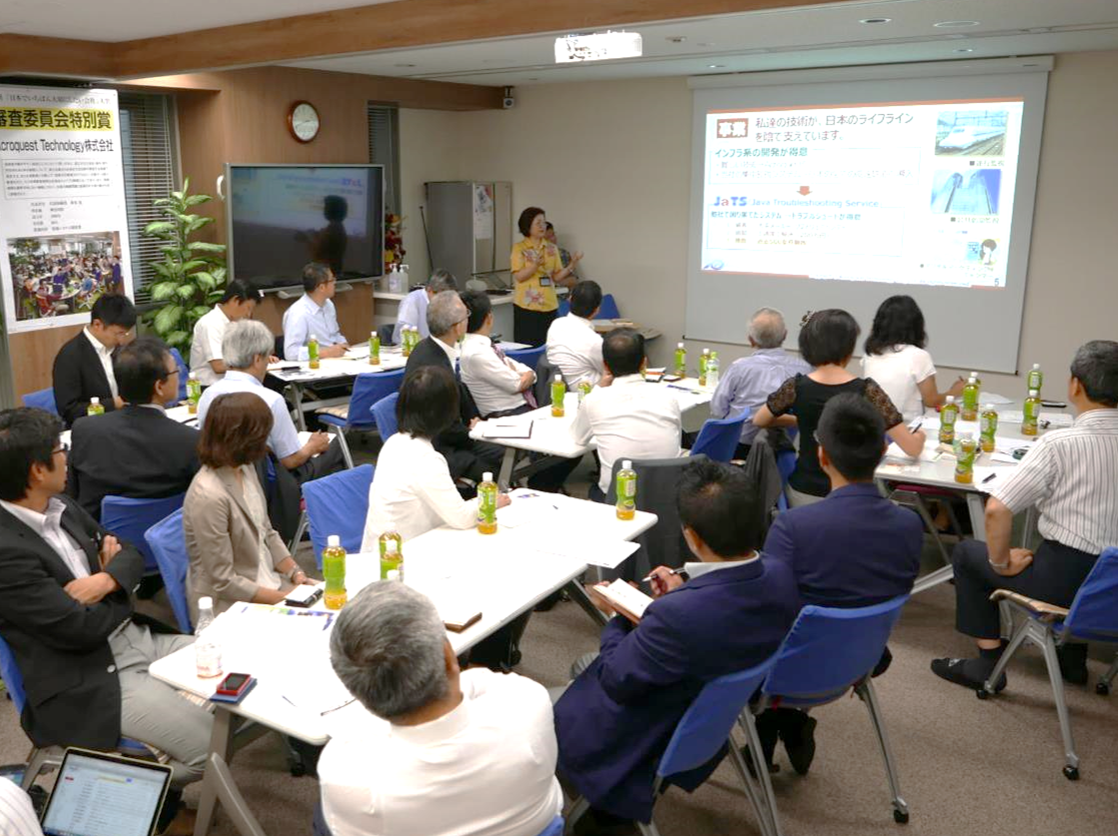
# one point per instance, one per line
(977, 508)
(300, 419)
(221, 743)
(504, 479)
(579, 596)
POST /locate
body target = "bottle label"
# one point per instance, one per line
(628, 488)
(487, 505)
(989, 424)
(207, 657)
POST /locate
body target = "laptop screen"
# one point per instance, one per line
(104, 795)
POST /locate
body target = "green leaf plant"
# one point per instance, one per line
(191, 277)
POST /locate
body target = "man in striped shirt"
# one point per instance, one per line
(1071, 476)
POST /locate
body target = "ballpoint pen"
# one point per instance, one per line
(670, 572)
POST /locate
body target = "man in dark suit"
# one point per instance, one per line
(852, 549)
(137, 451)
(83, 367)
(615, 720)
(66, 614)
(447, 317)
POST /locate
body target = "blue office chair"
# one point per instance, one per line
(128, 520)
(367, 390)
(827, 652)
(785, 463)
(530, 357)
(184, 373)
(555, 828)
(1093, 616)
(167, 543)
(719, 437)
(338, 504)
(43, 399)
(608, 308)
(49, 758)
(384, 413)
(702, 731)
(564, 307)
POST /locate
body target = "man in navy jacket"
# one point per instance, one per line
(852, 549)
(615, 720)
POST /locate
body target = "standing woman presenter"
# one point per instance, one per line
(536, 271)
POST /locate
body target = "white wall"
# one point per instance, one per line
(609, 161)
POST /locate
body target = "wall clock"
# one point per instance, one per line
(302, 121)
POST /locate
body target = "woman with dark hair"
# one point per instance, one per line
(827, 342)
(235, 554)
(896, 359)
(536, 269)
(412, 490)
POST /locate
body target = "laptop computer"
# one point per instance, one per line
(98, 794)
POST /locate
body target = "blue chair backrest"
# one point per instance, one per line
(1094, 612)
(829, 649)
(184, 373)
(367, 390)
(530, 357)
(706, 725)
(168, 543)
(338, 504)
(129, 519)
(13, 679)
(43, 399)
(564, 307)
(384, 413)
(555, 828)
(608, 308)
(719, 437)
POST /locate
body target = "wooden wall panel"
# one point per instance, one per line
(32, 356)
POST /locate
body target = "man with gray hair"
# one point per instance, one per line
(247, 347)
(413, 309)
(441, 750)
(447, 316)
(750, 380)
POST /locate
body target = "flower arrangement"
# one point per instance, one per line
(394, 251)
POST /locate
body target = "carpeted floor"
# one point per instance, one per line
(966, 767)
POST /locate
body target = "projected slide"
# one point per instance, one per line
(910, 193)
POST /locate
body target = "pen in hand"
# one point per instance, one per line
(670, 572)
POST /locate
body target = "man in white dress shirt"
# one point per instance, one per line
(630, 419)
(314, 315)
(1069, 476)
(247, 347)
(238, 302)
(500, 386)
(413, 309)
(441, 751)
(573, 346)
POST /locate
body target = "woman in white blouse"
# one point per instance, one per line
(896, 359)
(235, 554)
(412, 490)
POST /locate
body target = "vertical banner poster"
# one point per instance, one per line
(63, 222)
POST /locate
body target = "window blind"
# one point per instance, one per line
(384, 138)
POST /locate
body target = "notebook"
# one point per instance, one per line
(105, 795)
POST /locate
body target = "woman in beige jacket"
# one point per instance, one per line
(235, 554)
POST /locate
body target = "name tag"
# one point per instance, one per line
(545, 281)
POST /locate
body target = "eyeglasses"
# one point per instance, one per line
(63, 447)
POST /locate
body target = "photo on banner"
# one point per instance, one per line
(63, 220)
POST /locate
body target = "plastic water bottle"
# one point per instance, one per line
(713, 368)
(391, 546)
(989, 428)
(312, 352)
(948, 414)
(374, 349)
(207, 647)
(970, 399)
(965, 448)
(704, 358)
(193, 394)
(626, 491)
(95, 407)
(487, 505)
(333, 569)
(1035, 378)
(558, 390)
(1030, 423)
(680, 360)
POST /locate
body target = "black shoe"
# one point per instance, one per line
(1073, 663)
(966, 672)
(799, 741)
(768, 732)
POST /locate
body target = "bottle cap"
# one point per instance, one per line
(391, 545)
(95, 399)
(972, 378)
(393, 574)
(487, 476)
(706, 351)
(192, 376)
(1034, 393)
(333, 540)
(205, 603)
(1036, 366)
(988, 407)
(951, 399)
(627, 465)
(558, 378)
(679, 345)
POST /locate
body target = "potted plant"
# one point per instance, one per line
(191, 277)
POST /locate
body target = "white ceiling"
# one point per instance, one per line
(815, 36)
(125, 20)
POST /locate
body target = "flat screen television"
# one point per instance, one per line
(282, 216)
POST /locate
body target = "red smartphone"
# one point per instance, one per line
(234, 684)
